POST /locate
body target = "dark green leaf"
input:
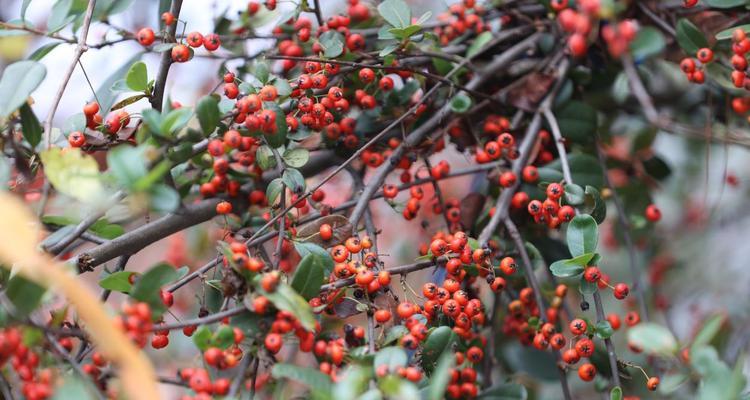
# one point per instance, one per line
(437, 341)
(395, 12)
(285, 298)
(17, 83)
(594, 205)
(294, 180)
(223, 337)
(278, 138)
(441, 376)
(689, 37)
(574, 194)
(106, 230)
(405, 33)
(649, 42)
(310, 377)
(32, 130)
(118, 282)
(727, 33)
(24, 294)
(273, 190)
(208, 113)
(582, 235)
(175, 120)
(571, 267)
(585, 169)
(577, 121)
(42, 51)
(603, 330)
(309, 276)
(479, 43)
(504, 391)
(147, 287)
(137, 77)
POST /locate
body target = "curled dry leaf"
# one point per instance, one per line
(18, 248)
(310, 232)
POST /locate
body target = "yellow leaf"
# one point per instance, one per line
(73, 173)
(18, 249)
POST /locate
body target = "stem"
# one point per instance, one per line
(160, 84)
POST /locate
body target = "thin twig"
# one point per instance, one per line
(319, 13)
(160, 83)
(239, 377)
(80, 49)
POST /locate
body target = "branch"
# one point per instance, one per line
(80, 49)
(160, 84)
(627, 238)
(318, 15)
(418, 134)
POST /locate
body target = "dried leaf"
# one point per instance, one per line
(342, 230)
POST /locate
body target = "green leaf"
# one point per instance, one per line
(332, 43)
(127, 164)
(42, 51)
(74, 173)
(309, 276)
(726, 3)
(147, 287)
(137, 77)
(286, 299)
(32, 130)
(615, 393)
(460, 103)
(504, 391)
(202, 338)
(441, 376)
(75, 122)
(710, 328)
(175, 120)
(689, 37)
(647, 43)
(671, 382)
(577, 120)
(585, 169)
(652, 338)
(727, 33)
(582, 235)
(405, 33)
(586, 287)
(294, 180)
(265, 158)
(104, 93)
(164, 198)
(296, 158)
(24, 294)
(223, 337)
(571, 267)
(60, 15)
(127, 101)
(603, 330)
(574, 194)
(118, 282)
(392, 357)
(317, 381)
(273, 190)
(17, 83)
(395, 12)
(304, 249)
(594, 205)
(106, 230)
(278, 138)
(388, 49)
(437, 341)
(73, 388)
(478, 44)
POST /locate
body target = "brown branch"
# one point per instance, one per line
(80, 49)
(418, 134)
(166, 60)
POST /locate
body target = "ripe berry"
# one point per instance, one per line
(577, 45)
(386, 83)
(705, 55)
(592, 274)
(687, 65)
(689, 3)
(195, 39)
(555, 191)
(653, 213)
(653, 383)
(273, 342)
(326, 232)
(76, 139)
(224, 207)
(180, 53)
(587, 372)
(366, 75)
(146, 36)
(570, 356)
(382, 316)
(211, 41)
(621, 291)
(530, 174)
(167, 18)
(578, 326)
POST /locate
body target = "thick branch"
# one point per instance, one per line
(160, 84)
